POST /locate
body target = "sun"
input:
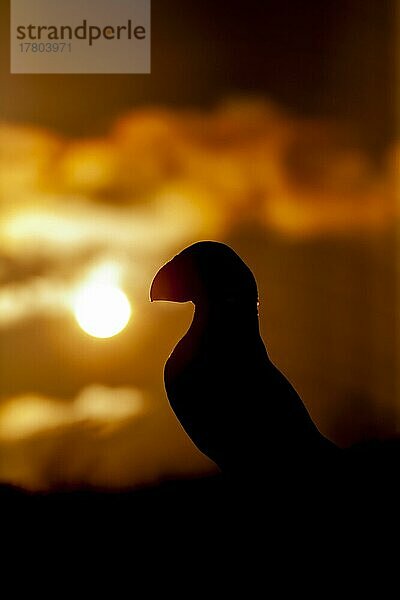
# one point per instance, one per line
(101, 310)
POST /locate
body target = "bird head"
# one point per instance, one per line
(205, 272)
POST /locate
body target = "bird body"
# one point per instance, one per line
(232, 401)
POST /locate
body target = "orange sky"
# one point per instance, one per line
(300, 199)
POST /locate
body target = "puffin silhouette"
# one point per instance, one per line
(231, 400)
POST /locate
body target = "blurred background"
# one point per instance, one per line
(269, 126)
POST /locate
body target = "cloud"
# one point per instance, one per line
(72, 226)
(163, 178)
(165, 175)
(106, 437)
(74, 238)
(34, 297)
(28, 158)
(24, 416)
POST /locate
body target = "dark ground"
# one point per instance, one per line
(208, 537)
(358, 498)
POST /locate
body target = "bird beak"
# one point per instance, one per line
(176, 281)
(160, 287)
(169, 283)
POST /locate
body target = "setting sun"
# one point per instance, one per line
(101, 310)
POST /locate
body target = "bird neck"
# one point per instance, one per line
(226, 318)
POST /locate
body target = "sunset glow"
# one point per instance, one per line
(102, 310)
(87, 221)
